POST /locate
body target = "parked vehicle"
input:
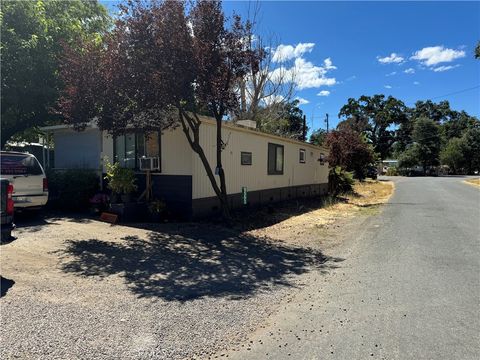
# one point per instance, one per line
(6, 209)
(30, 186)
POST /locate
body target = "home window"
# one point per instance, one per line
(129, 148)
(246, 158)
(302, 156)
(275, 159)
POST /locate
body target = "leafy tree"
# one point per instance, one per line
(426, 135)
(439, 113)
(452, 155)
(161, 66)
(318, 137)
(409, 158)
(288, 121)
(349, 150)
(457, 124)
(477, 51)
(374, 116)
(471, 149)
(32, 37)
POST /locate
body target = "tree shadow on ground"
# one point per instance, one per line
(191, 262)
(5, 285)
(28, 221)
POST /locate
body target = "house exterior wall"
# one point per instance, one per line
(255, 177)
(77, 149)
(176, 153)
(183, 182)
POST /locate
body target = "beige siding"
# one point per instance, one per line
(107, 149)
(176, 153)
(255, 176)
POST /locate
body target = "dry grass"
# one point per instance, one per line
(475, 182)
(371, 192)
(292, 225)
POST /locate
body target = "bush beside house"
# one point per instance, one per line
(72, 189)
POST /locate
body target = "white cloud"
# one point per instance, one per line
(287, 52)
(409, 71)
(305, 74)
(416, 83)
(324, 93)
(388, 87)
(302, 101)
(328, 65)
(392, 73)
(392, 58)
(434, 55)
(445, 68)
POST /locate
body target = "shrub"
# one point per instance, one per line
(71, 189)
(339, 181)
(392, 171)
(120, 180)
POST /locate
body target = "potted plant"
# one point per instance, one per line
(121, 181)
(156, 209)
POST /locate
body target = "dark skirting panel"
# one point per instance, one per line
(206, 206)
(175, 190)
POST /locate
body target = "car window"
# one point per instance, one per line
(20, 165)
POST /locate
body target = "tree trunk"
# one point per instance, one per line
(221, 173)
(193, 126)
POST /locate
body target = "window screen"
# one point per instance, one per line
(302, 156)
(246, 158)
(275, 159)
(129, 148)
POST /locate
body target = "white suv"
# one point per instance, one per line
(27, 177)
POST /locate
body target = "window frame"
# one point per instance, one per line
(247, 153)
(272, 149)
(137, 157)
(304, 152)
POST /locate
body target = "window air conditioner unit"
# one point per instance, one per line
(149, 163)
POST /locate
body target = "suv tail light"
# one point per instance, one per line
(10, 205)
(45, 185)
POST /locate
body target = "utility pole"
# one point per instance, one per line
(326, 120)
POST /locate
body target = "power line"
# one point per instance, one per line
(454, 93)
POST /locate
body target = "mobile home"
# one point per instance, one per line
(260, 168)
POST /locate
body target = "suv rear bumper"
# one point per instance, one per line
(27, 201)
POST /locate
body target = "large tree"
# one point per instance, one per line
(160, 67)
(374, 116)
(426, 136)
(32, 37)
(288, 121)
(349, 150)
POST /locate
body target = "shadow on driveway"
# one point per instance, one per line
(5, 285)
(193, 261)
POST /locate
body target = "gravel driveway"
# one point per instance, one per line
(82, 289)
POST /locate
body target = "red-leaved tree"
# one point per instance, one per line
(349, 150)
(159, 67)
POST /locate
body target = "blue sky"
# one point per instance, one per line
(410, 50)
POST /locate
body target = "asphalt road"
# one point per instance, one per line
(409, 287)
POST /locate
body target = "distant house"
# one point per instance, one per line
(268, 168)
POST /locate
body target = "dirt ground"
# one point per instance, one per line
(307, 223)
(81, 289)
(475, 182)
